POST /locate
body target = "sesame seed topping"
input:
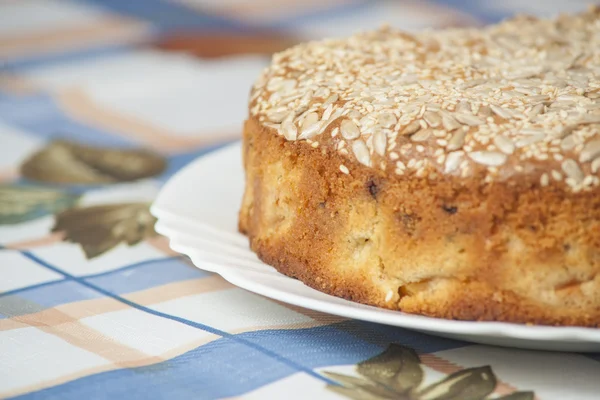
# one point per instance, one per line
(519, 97)
(349, 130)
(590, 151)
(544, 180)
(361, 151)
(490, 158)
(344, 169)
(411, 128)
(572, 170)
(389, 296)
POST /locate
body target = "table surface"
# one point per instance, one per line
(100, 103)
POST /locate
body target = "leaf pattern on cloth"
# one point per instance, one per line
(65, 162)
(518, 396)
(397, 374)
(24, 203)
(468, 384)
(98, 229)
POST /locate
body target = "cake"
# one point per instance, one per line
(451, 173)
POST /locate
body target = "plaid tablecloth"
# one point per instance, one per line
(100, 103)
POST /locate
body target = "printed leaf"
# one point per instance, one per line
(518, 396)
(468, 384)
(100, 228)
(66, 162)
(364, 386)
(359, 394)
(21, 203)
(398, 367)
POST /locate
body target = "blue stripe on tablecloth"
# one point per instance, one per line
(31, 287)
(204, 327)
(225, 367)
(61, 57)
(346, 342)
(132, 278)
(178, 161)
(239, 363)
(168, 15)
(478, 9)
(147, 276)
(113, 271)
(44, 297)
(335, 11)
(40, 115)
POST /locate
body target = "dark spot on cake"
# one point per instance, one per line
(402, 291)
(373, 188)
(322, 204)
(409, 222)
(566, 247)
(450, 209)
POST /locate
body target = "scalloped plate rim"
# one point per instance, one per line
(167, 211)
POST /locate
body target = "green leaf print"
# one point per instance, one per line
(24, 203)
(65, 162)
(397, 373)
(100, 228)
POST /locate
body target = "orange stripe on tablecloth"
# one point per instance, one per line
(109, 29)
(292, 326)
(257, 8)
(439, 364)
(177, 290)
(62, 314)
(92, 307)
(322, 318)
(64, 322)
(84, 337)
(161, 244)
(17, 85)
(109, 367)
(79, 106)
(39, 242)
(447, 367)
(9, 175)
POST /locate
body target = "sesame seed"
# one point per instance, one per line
(557, 176)
(516, 106)
(389, 296)
(344, 169)
(572, 170)
(361, 152)
(490, 158)
(349, 130)
(544, 180)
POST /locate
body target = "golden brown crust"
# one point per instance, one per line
(449, 248)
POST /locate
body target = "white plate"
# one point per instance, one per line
(198, 209)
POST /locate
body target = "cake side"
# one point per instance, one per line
(450, 248)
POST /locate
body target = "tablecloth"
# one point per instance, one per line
(100, 103)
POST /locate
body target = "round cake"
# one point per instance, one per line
(450, 173)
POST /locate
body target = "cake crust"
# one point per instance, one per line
(443, 196)
(442, 251)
